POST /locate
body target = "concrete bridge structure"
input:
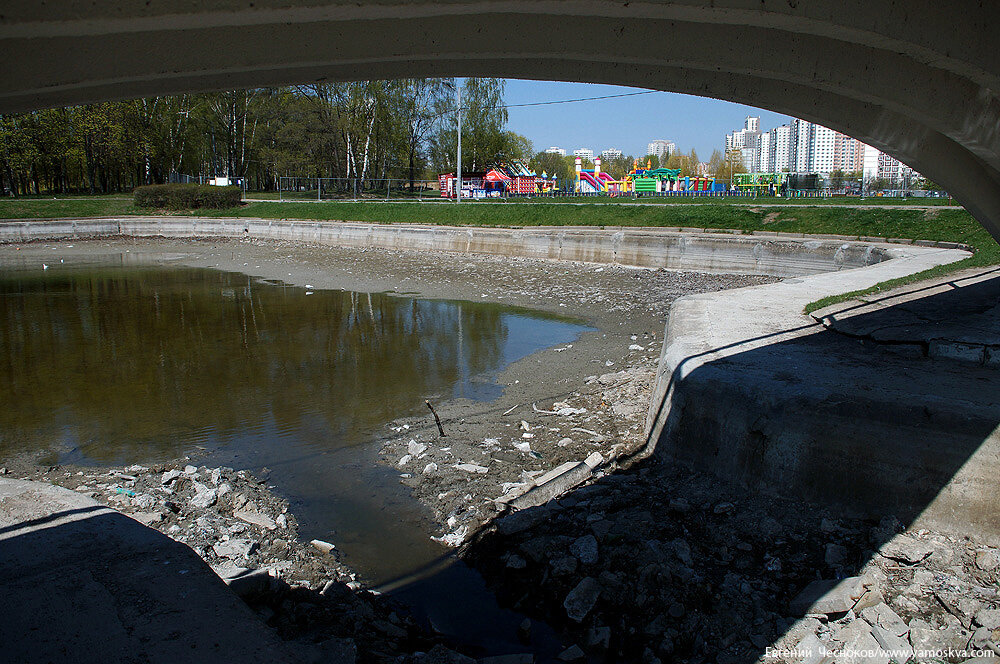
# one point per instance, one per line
(918, 80)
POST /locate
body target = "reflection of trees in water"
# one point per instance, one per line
(126, 361)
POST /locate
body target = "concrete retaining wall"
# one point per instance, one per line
(747, 387)
(752, 390)
(772, 254)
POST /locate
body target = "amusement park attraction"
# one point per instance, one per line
(665, 180)
(513, 178)
(761, 183)
(640, 180)
(516, 179)
(596, 181)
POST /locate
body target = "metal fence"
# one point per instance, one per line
(356, 189)
(323, 189)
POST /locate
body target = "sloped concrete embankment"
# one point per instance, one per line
(85, 583)
(747, 387)
(752, 390)
(693, 249)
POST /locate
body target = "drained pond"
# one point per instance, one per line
(114, 364)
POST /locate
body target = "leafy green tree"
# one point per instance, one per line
(617, 167)
(356, 132)
(552, 164)
(484, 118)
(687, 163)
(732, 165)
(516, 146)
(424, 102)
(716, 162)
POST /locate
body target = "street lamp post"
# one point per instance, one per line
(458, 159)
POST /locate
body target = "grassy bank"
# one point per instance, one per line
(45, 208)
(941, 224)
(647, 200)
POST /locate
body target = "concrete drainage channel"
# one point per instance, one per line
(703, 330)
(746, 388)
(691, 249)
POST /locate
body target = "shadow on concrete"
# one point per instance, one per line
(779, 465)
(87, 584)
(983, 293)
(55, 516)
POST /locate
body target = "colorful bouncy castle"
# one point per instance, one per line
(596, 181)
(664, 180)
(507, 179)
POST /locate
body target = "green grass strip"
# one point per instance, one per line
(941, 224)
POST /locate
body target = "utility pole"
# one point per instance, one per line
(458, 159)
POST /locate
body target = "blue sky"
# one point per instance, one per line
(627, 123)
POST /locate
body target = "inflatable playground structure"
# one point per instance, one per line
(513, 179)
(516, 179)
(641, 181)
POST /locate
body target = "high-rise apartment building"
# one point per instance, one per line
(661, 148)
(556, 150)
(611, 153)
(806, 147)
(823, 150)
(780, 146)
(584, 153)
(765, 154)
(877, 165)
(747, 142)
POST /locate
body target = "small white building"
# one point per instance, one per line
(222, 181)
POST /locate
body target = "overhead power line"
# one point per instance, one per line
(560, 101)
(570, 101)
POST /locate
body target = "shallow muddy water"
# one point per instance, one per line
(115, 364)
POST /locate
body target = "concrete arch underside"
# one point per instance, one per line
(917, 80)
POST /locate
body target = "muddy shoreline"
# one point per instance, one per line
(599, 383)
(641, 561)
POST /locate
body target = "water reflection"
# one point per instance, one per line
(131, 364)
(123, 363)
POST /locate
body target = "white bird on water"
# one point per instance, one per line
(44, 266)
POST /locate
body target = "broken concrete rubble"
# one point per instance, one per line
(256, 519)
(276, 574)
(582, 598)
(553, 483)
(830, 596)
(234, 548)
(905, 549)
(726, 586)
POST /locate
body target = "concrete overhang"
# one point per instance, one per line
(917, 80)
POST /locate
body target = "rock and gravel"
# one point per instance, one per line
(245, 532)
(549, 493)
(671, 577)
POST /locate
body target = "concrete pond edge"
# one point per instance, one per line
(702, 330)
(930, 456)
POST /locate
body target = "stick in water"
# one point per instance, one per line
(437, 420)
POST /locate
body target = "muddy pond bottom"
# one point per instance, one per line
(115, 363)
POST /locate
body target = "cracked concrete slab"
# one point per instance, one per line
(950, 318)
(754, 391)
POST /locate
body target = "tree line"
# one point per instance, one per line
(364, 131)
